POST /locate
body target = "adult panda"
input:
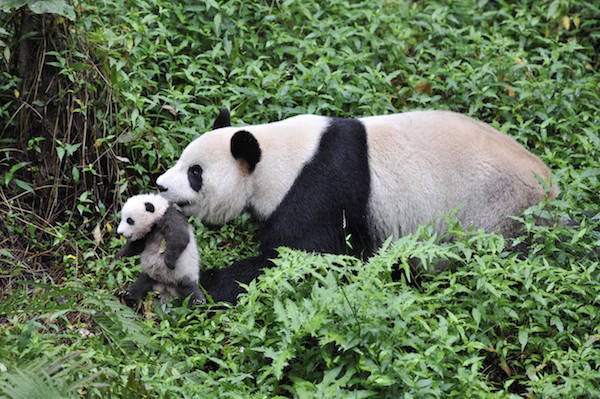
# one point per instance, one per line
(311, 181)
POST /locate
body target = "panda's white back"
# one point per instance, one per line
(423, 164)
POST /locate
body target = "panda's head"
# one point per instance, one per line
(140, 213)
(211, 179)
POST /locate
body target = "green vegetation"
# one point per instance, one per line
(98, 97)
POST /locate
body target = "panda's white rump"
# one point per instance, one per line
(425, 164)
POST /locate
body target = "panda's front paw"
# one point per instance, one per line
(197, 300)
(128, 298)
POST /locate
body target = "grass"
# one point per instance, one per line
(127, 84)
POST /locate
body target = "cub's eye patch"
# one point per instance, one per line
(195, 177)
(130, 221)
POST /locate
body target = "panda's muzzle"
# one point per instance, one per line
(182, 204)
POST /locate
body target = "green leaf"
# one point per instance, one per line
(60, 7)
(523, 337)
(71, 148)
(9, 175)
(556, 322)
(217, 24)
(60, 151)
(10, 5)
(75, 174)
(552, 9)
(6, 253)
(134, 116)
(476, 316)
(24, 185)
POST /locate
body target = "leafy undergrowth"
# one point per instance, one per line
(333, 326)
(135, 81)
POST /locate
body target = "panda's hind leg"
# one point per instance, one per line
(138, 289)
(187, 287)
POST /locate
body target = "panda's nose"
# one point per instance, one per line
(162, 189)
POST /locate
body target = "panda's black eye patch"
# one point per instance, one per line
(149, 207)
(130, 221)
(195, 177)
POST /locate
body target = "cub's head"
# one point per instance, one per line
(210, 179)
(140, 213)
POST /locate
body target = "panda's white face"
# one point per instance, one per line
(139, 214)
(207, 181)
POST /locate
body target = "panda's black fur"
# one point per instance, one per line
(340, 158)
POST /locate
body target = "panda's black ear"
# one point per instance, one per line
(149, 207)
(223, 119)
(244, 147)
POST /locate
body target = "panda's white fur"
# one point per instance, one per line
(417, 166)
(187, 266)
(227, 189)
(424, 164)
(135, 209)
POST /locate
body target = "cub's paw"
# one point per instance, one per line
(128, 298)
(197, 300)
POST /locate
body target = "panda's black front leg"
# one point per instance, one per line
(189, 288)
(223, 284)
(137, 290)
(132, 248)
(177, 236)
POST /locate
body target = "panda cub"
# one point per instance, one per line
(159, 231)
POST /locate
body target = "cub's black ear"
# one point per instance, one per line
(149, 207)
(244, 147)
(223, 119)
